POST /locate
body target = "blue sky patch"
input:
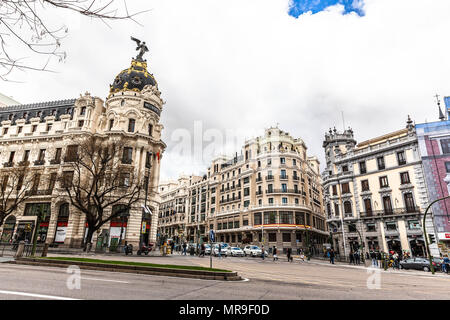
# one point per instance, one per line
(299, 7)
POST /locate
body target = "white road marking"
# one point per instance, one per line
(27, 294)
(104, 280)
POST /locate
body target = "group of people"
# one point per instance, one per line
(355, 257)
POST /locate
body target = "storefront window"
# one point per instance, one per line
(414, 224)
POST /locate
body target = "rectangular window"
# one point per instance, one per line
(384, 182)
(71, 153)
(245, 223)
(368, 206)
(127, 155)
(401, 158)
(257, 218)
(344, 168)
(283, 160)
(445, 144)
(365, 185)
(246, 203)
(111, 124)
(41, 155)
(52, 181)
(391, 226)
(246, 180)
(447, 167)
(49, 126)
(409, 202)
(67, 178)
(334, 190)
(150, 130)
(58, 154)
(294, 162)
(380, 162)
(26, 155)
(34, 128)
(11, 156)
(246, 191)
(362, 167)
(371, 227)
(286, 237)
(286, 217)
(272, 237)
(404, 178)
(80, 123)
(345, 188)
(387, 204)
(131, 124)
(414, 224)
(19, 130)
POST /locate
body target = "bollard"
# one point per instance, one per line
(20, 250)
(45, 250)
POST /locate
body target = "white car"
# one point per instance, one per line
(234, 252)
(223, 249)
(207, 249)
(254, 251)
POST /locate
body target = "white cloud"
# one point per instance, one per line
(249, 65)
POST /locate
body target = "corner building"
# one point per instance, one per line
(270, 194)
(375, 193)
(43, 135)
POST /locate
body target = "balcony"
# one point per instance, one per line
(283, 191)
(39, 162)
(38, 192)
(295, 178)
(259, 179)
(55, 161)
(24, 163)
(258, 193)
(269, 178)
(381, 213)
(127, 161)
(283, 177)
(8, 164)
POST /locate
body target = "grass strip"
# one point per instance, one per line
(132, 263)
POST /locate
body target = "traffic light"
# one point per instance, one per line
(431, 238)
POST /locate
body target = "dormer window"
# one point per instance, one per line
(111, 124)
(11, 116)
(38, 114)
(53, 113)
(83, 111)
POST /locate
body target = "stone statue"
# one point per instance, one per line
(140, 46)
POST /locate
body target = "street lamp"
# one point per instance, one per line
(425, 232)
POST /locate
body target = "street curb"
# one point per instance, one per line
(194, 274)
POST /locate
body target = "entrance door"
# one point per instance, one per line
(417, 248)
(395, 245)
(387, 205)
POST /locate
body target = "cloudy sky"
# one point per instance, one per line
(241, 66)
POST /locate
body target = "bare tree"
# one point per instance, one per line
(15, 183)
(100, 177)
(23, 23)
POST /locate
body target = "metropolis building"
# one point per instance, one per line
(43, 134)
(270, 194)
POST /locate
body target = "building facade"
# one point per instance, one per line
(43, 135)
(434, 145)
(270, 194)
(375, 192)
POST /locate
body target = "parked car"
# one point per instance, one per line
(207, 249)
(253, 251)
(224, 247)
(417, 263)
(234, 252)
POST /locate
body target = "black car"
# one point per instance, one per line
(417, 264)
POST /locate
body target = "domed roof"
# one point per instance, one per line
(135, 78)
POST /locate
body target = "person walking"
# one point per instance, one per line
(445, 264)
(262, 252)
(219, 249)
(172, 247)
(332, 256)
(275, 257)
(184, 248)
(357, 258)
(373, 256)
(288, 254)
(352, 257)
(378, 255)
(202, 249)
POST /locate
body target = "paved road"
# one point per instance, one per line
(266, 280)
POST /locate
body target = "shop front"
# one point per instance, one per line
(41, 210)
(8, 229)
(62, 224)
(394, 244)
(417, 245)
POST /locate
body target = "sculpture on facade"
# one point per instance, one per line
(141, 47)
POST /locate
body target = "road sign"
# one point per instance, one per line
(144, 227)
(211, 235)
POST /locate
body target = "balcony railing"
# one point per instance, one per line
(283, 177)
(38, 192)
(268, 178)
(24, 163)
(377, 213)
(39, 162)
(55, 161)
(8, 164)
(283, 191)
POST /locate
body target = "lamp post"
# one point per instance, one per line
(430, 257)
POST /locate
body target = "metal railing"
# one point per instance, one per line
(377, 213)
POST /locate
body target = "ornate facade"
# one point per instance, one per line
(43, 134)
(271, 194)
(375, 192)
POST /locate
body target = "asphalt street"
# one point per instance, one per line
(264, 280)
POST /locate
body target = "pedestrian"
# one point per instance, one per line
(373, 256)
(352, 257)
(262, 252)
(332, 255)
(357, 258)
(275, 257)
(172, 247)
(184, 248)
(445, 264)
(202, 249)
(289, 254)
(219, 250)
(378, 256)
